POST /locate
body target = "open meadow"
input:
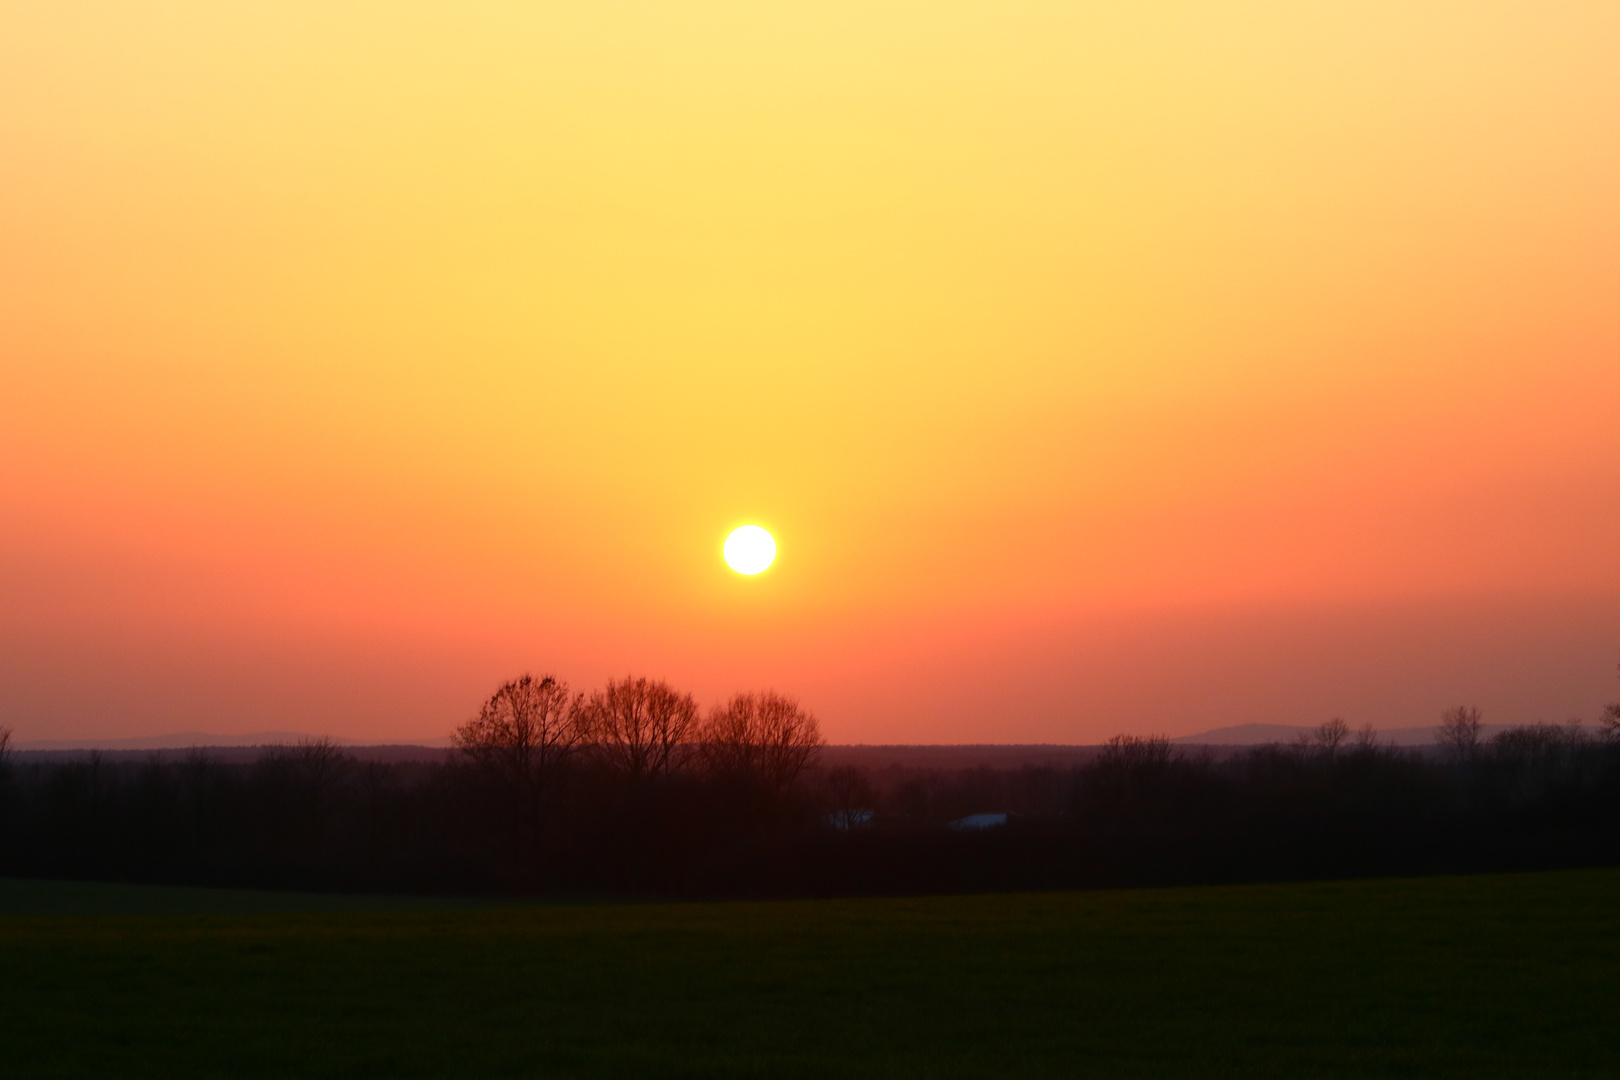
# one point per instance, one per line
(1489, 976)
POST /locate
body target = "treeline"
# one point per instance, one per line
(633, 789)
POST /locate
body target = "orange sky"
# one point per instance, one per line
(1139, 367)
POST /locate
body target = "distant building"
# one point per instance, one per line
(974, 822)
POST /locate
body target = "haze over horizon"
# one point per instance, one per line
(1151, 370)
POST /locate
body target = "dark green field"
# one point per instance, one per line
(1466, 977)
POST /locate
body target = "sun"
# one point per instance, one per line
(750, 549)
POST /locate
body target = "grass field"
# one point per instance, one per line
(1467, 977)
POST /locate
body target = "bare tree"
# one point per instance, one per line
(1609, 722)
(318, 764)
(1330, 735)
(524, 728)
(519, 740)
(1459, 731)
(763, 734)
(1129, 768)
(1135, 753)
(1367, 738)
(304, 780)
(641, 727)
(521, 735)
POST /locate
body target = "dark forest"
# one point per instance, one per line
(632, 791)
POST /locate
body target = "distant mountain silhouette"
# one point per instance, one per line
(1261, 734)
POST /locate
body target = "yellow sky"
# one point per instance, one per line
(449, 339)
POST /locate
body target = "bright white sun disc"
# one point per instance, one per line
(749, 549)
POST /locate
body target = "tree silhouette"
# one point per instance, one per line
(641, 727)
(1330, 735)
(764, 735)
(1140, 812)
(1459, 731)
(1134, 754)
(525, 727)
(299, 784)
(520, 738)
(1609, 722)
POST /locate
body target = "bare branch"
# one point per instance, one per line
(1459, 731)
(641, 726)
(1331, 734)
(764, 734)
(525, 728)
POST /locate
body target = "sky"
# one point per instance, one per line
(1137, 367)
